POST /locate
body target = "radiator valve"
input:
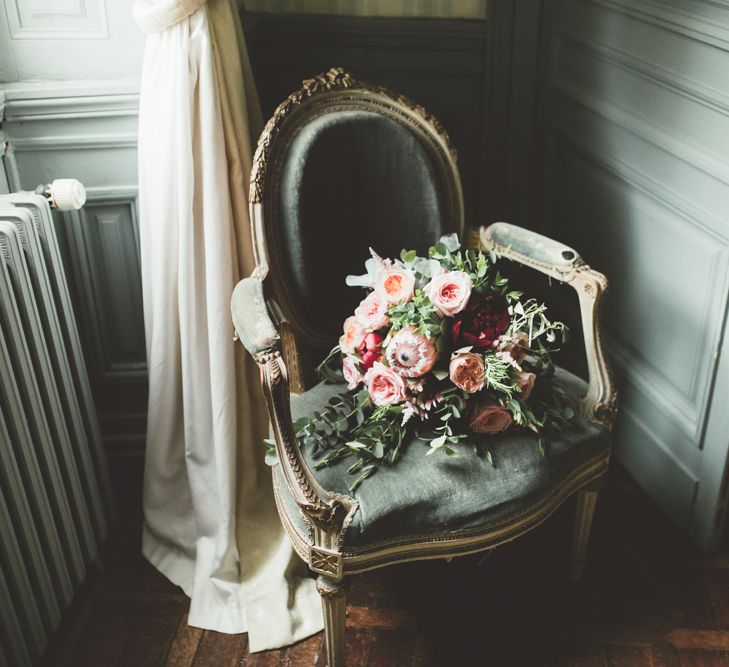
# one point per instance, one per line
(64, 194)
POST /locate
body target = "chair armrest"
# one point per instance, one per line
(564, 264)
(255, 328)
(253, 324)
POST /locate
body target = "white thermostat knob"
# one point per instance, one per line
(67, 194)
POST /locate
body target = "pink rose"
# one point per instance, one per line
(352, 337)
(370, 350)
(525, 383)
(351, 372)
(396, 283)
(449, 292)
(490, 417)
(411, 354)
(384, 385)
(467, 371)
(372, 311)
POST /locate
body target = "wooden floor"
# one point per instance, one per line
(647, 598)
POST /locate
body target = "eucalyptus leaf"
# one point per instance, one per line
(408, 256)
(450, 242)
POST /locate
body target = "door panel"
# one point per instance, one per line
(634, 172)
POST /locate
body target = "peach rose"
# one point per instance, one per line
(396, 283)
(384, 385)
(449, 292)
(372, 311)
(351, 372)
(490, 417)
(525, 383)
(411, 354)
(353, 335)
(467, 371)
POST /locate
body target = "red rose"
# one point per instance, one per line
(483, 320)
(370, 349)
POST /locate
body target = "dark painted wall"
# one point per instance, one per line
(441, 64)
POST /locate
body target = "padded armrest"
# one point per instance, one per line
(251, 319)
(533, 249)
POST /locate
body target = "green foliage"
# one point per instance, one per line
(351, 426)
(417, 312)
(531, 318)
(445, 417)
(497, 375)
(331, 368)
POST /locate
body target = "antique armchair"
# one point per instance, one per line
(340, 166)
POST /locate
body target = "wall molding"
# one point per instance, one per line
(62, 117)
(674, 481)
(639, 179)
(69, 99)
(659, 14)
(55, 108)
(706, 96)
(75, 142)
(646, 132)
(646, 380)
(111, 367)
(28, 22)
(694, 406)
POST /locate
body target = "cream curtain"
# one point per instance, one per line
(210, 521)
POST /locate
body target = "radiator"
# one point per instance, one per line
(55, 497)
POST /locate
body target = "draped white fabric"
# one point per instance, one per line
(210, 519)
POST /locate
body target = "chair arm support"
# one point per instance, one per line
(255, 328)
(564, 264)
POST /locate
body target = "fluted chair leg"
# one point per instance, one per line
(334, 604)
(586, 502)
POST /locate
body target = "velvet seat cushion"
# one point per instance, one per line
(352, 178)
(421, 495)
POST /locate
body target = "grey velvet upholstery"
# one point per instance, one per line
(422, 495)
(351, 179)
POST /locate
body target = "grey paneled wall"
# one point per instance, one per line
(88, 131)
(635, 173)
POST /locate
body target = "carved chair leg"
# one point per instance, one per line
(586, 502)
(334, 604)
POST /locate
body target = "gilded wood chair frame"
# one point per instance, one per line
(266, 321)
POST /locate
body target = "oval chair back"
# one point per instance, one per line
(343, 166)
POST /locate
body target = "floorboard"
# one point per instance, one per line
(648, 598)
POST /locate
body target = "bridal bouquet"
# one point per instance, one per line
(442, 350)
